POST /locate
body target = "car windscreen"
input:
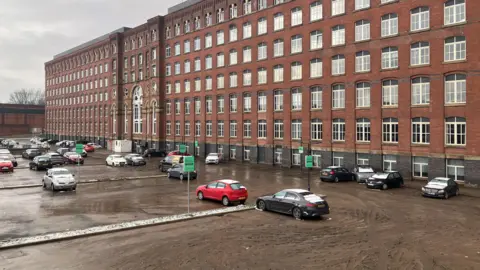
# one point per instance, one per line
(61, 173)
(365, 170)
(438, 182)
(236, 186)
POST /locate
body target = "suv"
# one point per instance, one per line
(40, 162)
(31, 153)
(336, 174)
(169, 161)
(385, 180)
(55, 158)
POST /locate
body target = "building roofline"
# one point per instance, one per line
(183, 5)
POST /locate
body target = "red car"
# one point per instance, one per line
(6, 166)
(88, 148)
(73, 158)
(226, 191)
(177, 153)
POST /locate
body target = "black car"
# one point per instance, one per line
(297, 202)
(336, 174)
(441, 187)
(31, 153)
(40, 163)
(135, 160)
(385, 180)
(168, 162)
(56, 158)
(8, 156)
(51, 141)
(154, 153)
(362, 173)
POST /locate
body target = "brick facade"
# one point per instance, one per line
(18, 119)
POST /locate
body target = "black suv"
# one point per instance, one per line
(31, 153)
(40, 163)
(385, 180)
(336, 174)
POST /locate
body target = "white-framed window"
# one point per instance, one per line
(278, 48)
(246, 153)
(363, 130)
(419, 19)
(168, 87)
(233, 59)
(262, 51)
(390, 130)
(455, 48)
(338, 35)
(247, 6)
(208, 83)
(220, 60)
(389, 162)
(220, 15)
(187, 106)
(247, 102)
(262, 26)
(220, 128)
(296, 16)
(316, 98)
(198, 105)
(187, 128)
(296, 129)
(197, 64)
(177, 107)
(278, 73)
(296, 99)
(278, 129)
(220, 81)
(338, 96)
(197, 23)
(186, 46)
(338, 64)
(278, 100)
(233, 103)
(198, 84)
(187, 26)
(363, 159)
(208, 62)
(247, 54)
(233, 152)
(316, 68)
(186, 66)
(168, 51)
(262, 75)
(177, 69)
(455, 131)
(233, 33)
(278, 22)
(420, 91)
(363, 94)
(362, 61)
(390, 93)
(316, 40)
(197, 44)
(209, 128)
(262, 129)
(233, 128)
(208, 40)
(455, 88)
(420, 53)
(296, 71)
(338, 7)
(220, 37)
(362, 30)
(168, 107)
(168, 71)
(198, 128)
(233, 11)
(456, 169)
(316, 128)
(262, 102)
(208, 104)
(296, 44)
(177, 32)
(233, 79)
(316, 11)
(338, 129)
(454, 12)
(247, 30)
(389, 57)
(420, 167)
(168, 128)
(421, 130)
(362, 4)
(338, 159)
(187, 86)
(247, 77)
(389, 25)
(262, 4)
(247, 128)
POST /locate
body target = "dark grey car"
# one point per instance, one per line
(56, 158)
(135, 160)
(362, 173)
(178, 172)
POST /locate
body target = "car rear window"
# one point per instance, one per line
(236, 186)
(326, 170)
(367, 170)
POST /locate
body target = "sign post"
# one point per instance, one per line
(183, 148)
(78, 150)
(188, 166)
(308, 165)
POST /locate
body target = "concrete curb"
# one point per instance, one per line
(90, 181)
(67, 235)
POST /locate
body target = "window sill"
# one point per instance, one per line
(362, 143)
(338, 45)
(296, 25)
(390, 36)
(278, 111)
(361, 9)
(420, 105)
(362, 72)
(295, 53)
(316, 78)
(278, 139)
(316, 110)
(456, 146)
(278, 30)
(278, 56)
(420, 144)
(338, 109)
(419, 66)
(454, 24)
(262, 34)
(338, 15)
(389, 3)
(419, 30)
(454, 62)
(389, 69)
(362, 108)
(362, 41)
(390, 107)
(338, 142)
(338, 75)
(455, 104)
(316, 49)
(390, 143)
(296, 110)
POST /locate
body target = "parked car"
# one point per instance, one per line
(227, 191)
(88, 148)
(59, 143)
(4, 151)
(73, 158)
(153, 153)
(83, 154)
(296, 202)
(94, 145)
(31, 153)
(213, 158)
(177, 171)
(441, 187)
(57, 179)
(177, 153)
(52, 141)
(169, 161)
(8, 156)
(385, 180)
(135, 160)
(362, 173)
(115, 160)
(61, 151)
(336, 174)
(55, 158)
(6, 165)
(40, 163)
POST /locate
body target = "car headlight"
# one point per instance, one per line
(441, 191)
(423, 189)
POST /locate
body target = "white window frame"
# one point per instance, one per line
(338, 7)
(338, 64)
(316, 68)
(362, 30)
(338, 130)
(296, 129)
(455, 89)
(296, 16)
(362, 61)
(278, 48)
(420, 53)
(455, 131)
(390, 132)
(420, 19)
(316, 40)
(454, 12)
(390, 93)
(316, 11)
(363, 133)
(389, 25)
(338, 35)
(338, 96)
(420, 91)
(363, 90)
(316, 127)
(455, 49)
(278, 22)
(420, 130)
(296, 71)
(459, 170)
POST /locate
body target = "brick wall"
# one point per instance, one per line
(16, 119)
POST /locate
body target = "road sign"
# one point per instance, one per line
(79, 148)
(308, 161)
(196, 143)
(300, 150)
(188, 163)
(183, 148)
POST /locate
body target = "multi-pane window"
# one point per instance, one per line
(262, 102)
(247, 77)
(208, 105)
(296, 71)
(420, 130)
(247, 6)
(220, 81)
(177, 128)
(247, 128)
(262, 129)
(389, 57)
(363, 159)
(278, 129)
(420, 53)
(420, 91)
(209, 128)
(338, 159)
(456, 169)
(247, 30)
(186, 84)
(187, 106)
(247, 102)
(455, 48)
(455, 131)
(390, 130)
(233, 103)
(338, 35)
(315, 97)
(420, 166)
(338, 64)
(208, 83)
(233, 128)
(262, 76)
(278, 22)
(454, 12)
(390, 93)
(363, 130)
(389, 162)
(198, 105)
(187, 128)
(316, 40)
(316, 128)
(197, 64)
(220, 15)
(278, 48)
(176, 50)
(233, 11)
(362, 30)
(186, 66)
(208, 62)
(316, 11)
(220, 128)
(186, 46)
(278, 73)
(208, 40)
(262, 4)
(455, 88)
(296, 99)
(338, 129)
(296, 16)
(262, 26)
(338, 7)
(419, 19)
(278, 100)
(338, 96)
(233, 59)
(362, 61)
(220, 60)
(168, 52)
(296, 129)
(220, 37)
(316, 67)
(233, 79)
(168, 128)
(296, 44)
(197, 44)
(168, 71)
(262, 51)
(198, 84)
(389, 25)
(233, 33)
(362, 4)
(177, 69)
(247, 54)
(363, 94)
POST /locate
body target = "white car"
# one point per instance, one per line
(213, 158)
(115, 160)
(59, 143)
(96, 146)
(57, 179)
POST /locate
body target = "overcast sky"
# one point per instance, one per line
(32, 31)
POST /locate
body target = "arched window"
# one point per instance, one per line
(137, 110)
(154, 118)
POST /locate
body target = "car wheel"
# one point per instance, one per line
(181, 177)
(297, 213)
(200, 195)
(336, 179)
(384, 186)
(446, 196)
(225, 201)
(168, 175)
(261, 205)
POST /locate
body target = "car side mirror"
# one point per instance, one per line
(73, 174)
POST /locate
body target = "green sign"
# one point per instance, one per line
(308, 161)
(79, 148)
(183, 148)
(188, 163)
(196, 143)
(300, 149)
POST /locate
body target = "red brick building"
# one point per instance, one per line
(18, 119)
(382, 82)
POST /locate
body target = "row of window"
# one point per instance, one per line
(79, 74)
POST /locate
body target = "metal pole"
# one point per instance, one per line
(188, 191)
(308, 179)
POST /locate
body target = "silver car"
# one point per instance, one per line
(177, 171)
(57, 179)
(362, 173)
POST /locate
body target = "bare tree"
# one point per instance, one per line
(28, 97)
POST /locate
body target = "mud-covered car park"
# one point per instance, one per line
(366, 228)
